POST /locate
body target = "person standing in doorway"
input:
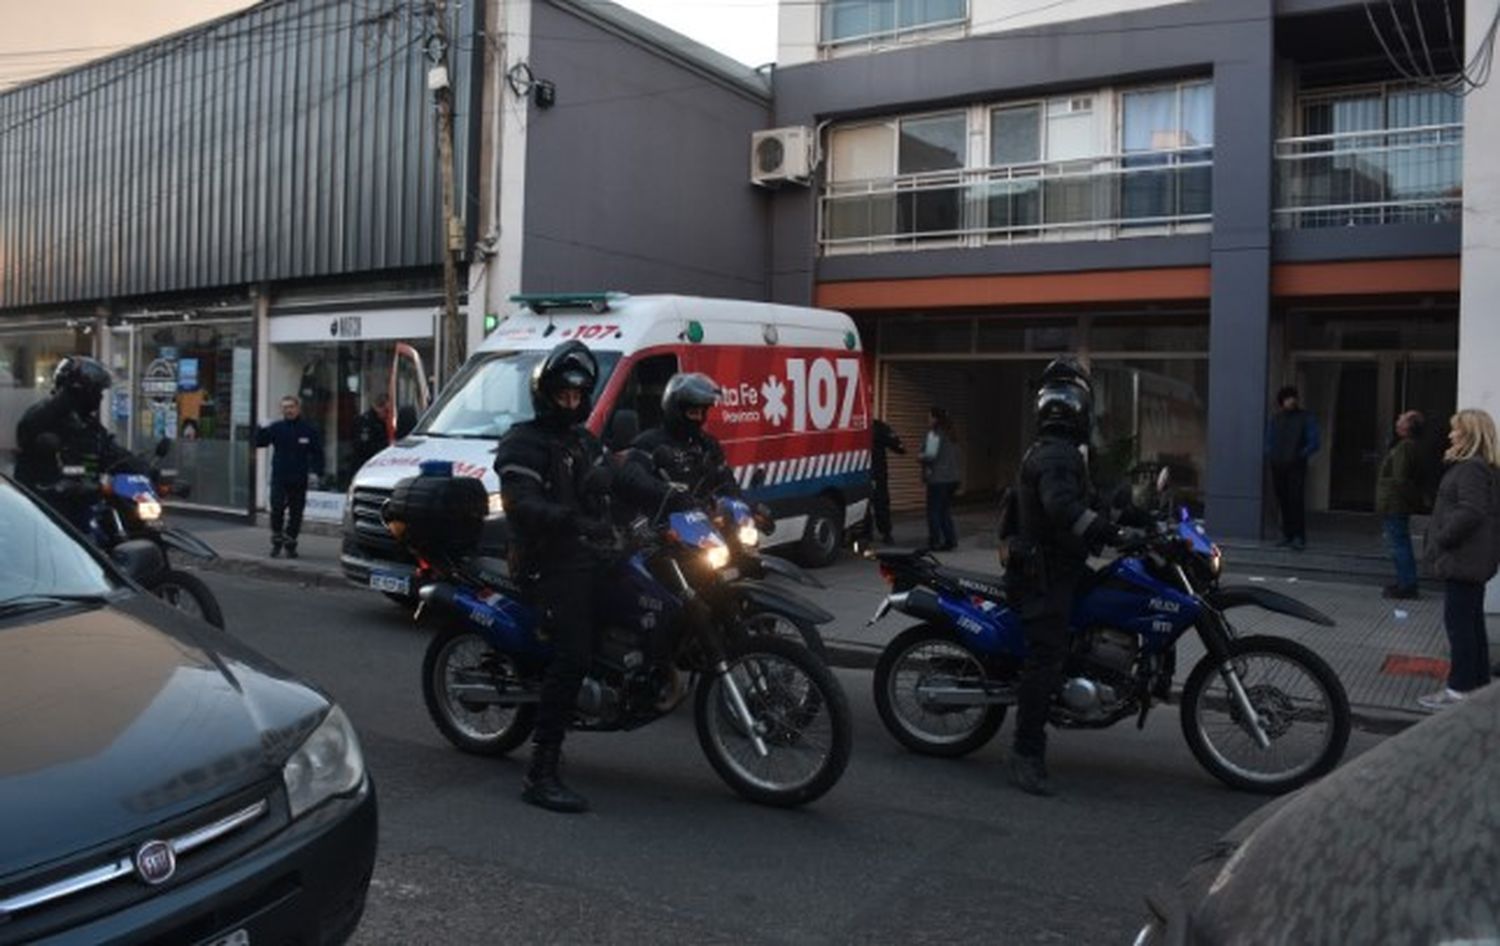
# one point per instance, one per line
(941, 463)
(1463, 548)
(1398, 496)
(883, 440)
(1291, 439)
(296, 465)
(372, 431)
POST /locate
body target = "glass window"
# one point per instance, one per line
(1434, 331)
(926, 336)
(1171, 129)
(867, 19)
(1151, 412)
(492, 394)
(40, 557)
(26, 365)
(643, 389)
(1148, 333)
(934, 143)
(1008, 334)
(862, 153)
(1016, 135)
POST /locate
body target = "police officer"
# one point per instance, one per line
(1059, 527)
(65, 427)
(692, 455)
(552, 481)
(296, 467)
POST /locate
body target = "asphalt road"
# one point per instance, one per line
(904, 849)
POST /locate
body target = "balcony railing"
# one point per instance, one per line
(1100, 198)
(1370, 178)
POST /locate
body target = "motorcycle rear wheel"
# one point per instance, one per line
(917, 656)
(189, 594)
(800, 713)
(1294, 693)
(480, 729)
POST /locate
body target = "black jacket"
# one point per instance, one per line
(882, 439)
(369, 436)
(81, 439)
(697, 461)
(297, 450)
(1057, 507)
(1463, 536)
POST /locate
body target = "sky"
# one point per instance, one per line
(40, 36)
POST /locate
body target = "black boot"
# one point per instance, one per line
(1029, 774)
(276, 541)
(291, 548)
(544, 788)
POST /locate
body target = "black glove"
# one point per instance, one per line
(595, 530)
(681, 501)
(1126, 536)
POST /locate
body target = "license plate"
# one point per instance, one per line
(389, 582)
(237, 938)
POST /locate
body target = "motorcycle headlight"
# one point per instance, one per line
(149, 510)
(496, 506)
(717, 556)
(749, 535)
(328, 763)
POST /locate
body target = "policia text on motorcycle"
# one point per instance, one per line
(1059, 525)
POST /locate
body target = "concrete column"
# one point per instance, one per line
(1479, 306)
(1240, 300)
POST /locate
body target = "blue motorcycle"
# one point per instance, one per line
(771, 718)
(1263, 714)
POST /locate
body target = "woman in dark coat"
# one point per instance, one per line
(1463, 547)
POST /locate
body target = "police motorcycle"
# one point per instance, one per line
(127, 506)
(771, 718)
(1261, 713)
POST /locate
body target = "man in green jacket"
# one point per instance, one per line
(1398, 495)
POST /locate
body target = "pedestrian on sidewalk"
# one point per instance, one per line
(296, 465)
(1398, 496)
(1291, 439)
(941, 462)
(883, 440)
(1463, 548)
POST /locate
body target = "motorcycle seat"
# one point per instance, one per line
(495, 573)
(975, 583)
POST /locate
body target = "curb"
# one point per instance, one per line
(311, 576)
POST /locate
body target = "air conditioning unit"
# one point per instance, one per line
(781, 155)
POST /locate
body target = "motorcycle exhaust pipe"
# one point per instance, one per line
(947, 694)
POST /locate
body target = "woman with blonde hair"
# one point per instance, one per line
(1463, 548)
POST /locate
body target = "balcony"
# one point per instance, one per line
(1370, 178)
(1140, 194)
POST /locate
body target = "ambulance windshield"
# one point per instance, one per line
(492, 393)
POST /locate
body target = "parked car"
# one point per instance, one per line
(1398, 846)
(160, 781)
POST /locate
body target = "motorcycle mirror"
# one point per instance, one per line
(139, 559)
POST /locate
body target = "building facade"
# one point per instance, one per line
(1207, 199)
(253, 208)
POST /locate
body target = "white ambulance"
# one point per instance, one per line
(795, 411)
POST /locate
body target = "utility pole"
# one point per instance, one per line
(439, 80)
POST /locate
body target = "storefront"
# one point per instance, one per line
(29, 353)
(339, 364)
(188, 377)
(1151, 390)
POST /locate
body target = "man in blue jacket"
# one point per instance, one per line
(296, 464)
(1291, 439)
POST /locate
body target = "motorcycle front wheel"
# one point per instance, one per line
(923, 659)
(189, 594)
(1298, 701)
(798, 713)
(461, 678)
(772, 624)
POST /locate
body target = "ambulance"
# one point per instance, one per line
(794, 420)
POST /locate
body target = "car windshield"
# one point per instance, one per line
(41, 558)
(493, 393)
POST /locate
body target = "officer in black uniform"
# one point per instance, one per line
(692, 455)
(65, 428)
(1060, 526)
(553, 480)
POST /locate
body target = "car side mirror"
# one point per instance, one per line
(140, 559)
(624, 427)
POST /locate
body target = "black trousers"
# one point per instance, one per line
(1468, 641)
(566, 590)
(880, 504)
(288, 500)
(1044, 620)
(1290, 483)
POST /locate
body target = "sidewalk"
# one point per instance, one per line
(1371, 649)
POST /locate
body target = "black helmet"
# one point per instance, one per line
(1065, 401)
(569, 365)
(82, 381)
(685, 391)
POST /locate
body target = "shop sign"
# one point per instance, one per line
(187, 374)
(346, 326)
(324, 507)
(159, 380)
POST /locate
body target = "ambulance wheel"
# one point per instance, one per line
(824, 535)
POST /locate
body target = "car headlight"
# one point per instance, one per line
(717, 556)
(748, 535)
(496, 506)
(328, 763)
(149, 510)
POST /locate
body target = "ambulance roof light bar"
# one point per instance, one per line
(541, 302)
